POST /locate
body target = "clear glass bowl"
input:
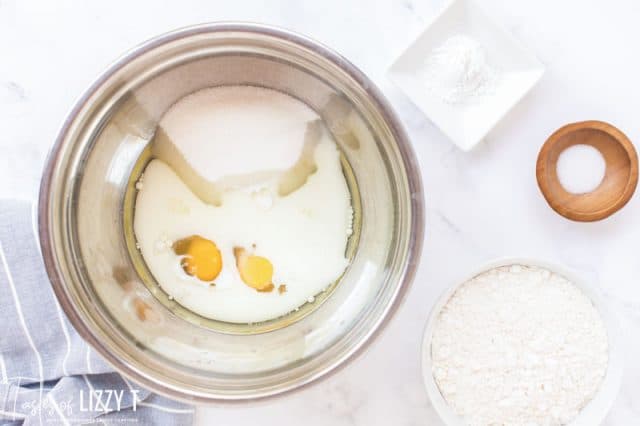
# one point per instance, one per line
(86, 205)
(596, 410)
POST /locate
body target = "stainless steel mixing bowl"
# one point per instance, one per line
(85, 206)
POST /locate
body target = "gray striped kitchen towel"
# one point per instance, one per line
(48, 374)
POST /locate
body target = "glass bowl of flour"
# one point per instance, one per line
(521, 341)
(236, 324)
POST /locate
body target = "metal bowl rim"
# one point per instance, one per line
(402, 141)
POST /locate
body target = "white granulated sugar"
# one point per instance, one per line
(519, 345)
(581, 168)
(251, 128)
(459, 71)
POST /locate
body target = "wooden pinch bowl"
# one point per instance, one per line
(619, 182)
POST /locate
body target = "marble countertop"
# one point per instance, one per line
(480, 205)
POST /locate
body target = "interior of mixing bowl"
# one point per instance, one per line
(84, 211)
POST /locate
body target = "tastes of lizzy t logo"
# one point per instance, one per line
(106, 400)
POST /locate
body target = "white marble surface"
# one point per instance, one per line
(480, 205)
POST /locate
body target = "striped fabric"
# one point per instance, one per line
(48, 374)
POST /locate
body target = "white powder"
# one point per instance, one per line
(240, 129)
(519, 345)
(227, 137)
(581, 168)
(458, 70)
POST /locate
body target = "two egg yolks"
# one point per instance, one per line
(202, 258)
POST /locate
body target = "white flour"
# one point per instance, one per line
(519, 345)
(458, 70)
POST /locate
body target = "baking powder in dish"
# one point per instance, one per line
(459, 70)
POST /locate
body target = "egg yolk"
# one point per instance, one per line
(255, 271)
(201, 257)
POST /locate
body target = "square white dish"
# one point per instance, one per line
(467, 123)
